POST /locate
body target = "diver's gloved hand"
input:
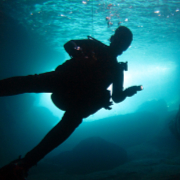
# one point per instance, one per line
(132, 90)
(107, 105)
(16, 170)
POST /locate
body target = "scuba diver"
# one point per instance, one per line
(78, 86)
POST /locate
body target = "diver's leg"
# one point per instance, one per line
(45, 82)
(54, 138)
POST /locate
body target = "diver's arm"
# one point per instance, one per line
(118, 94)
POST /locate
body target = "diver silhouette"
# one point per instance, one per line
(78, 86)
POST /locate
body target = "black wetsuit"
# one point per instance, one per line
(79, 87)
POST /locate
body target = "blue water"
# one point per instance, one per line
(33, 33)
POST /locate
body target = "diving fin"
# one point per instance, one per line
(16, 170)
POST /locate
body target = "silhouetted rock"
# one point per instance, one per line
(91, 154)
